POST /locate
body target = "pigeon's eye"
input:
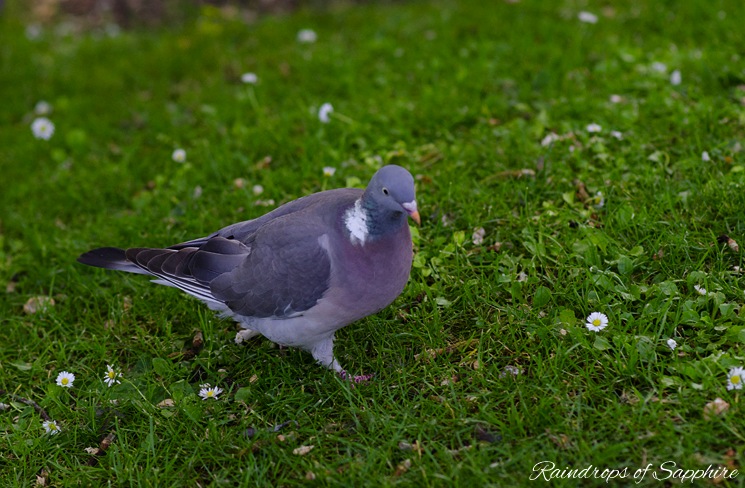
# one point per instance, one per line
(385, 191)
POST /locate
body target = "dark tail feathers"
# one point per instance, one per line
(110, 258)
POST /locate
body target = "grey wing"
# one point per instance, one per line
(244, 231)
(287, 271)
(190, 269)
(275, 274)
(274, 266)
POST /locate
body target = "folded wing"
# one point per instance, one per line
(279, 271)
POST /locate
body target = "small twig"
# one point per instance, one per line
(433, 353)
(42, 413)
(103, 446)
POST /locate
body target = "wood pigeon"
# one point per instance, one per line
(300, 272)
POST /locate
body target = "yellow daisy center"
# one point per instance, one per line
(596, 322)
(735, 379)
(111, 374)
(210, 393)
(64, 381)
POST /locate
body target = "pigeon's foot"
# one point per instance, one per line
(244, 334)
(356, 379)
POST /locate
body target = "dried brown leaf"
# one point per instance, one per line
(561, 440)
(715, 408)
(456, 452)
(302, 450)
(198, 341)
(581, 189)
(402, 468)
(496, 247)
(265, 162)
(415, 447)
(731, 243)
(38, 304)
(42, 477)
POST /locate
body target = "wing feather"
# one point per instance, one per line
(277, 265)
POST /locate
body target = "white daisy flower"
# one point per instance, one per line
(33, 32)
(593, 128)
(659, 67)
(510, 370)
(209, 392)
(257, 190)
(478, 236)
(179, 155)
(65, 379)
(735, 378)
(110, 377)
(307, 36)
(51, 427)
(616, 99)
(672, 344)
(597, 321)
(700, 289)
(42, 108)
(42, 128)
(675, 78)
(329, 171)
(324, 112)
(249, 78)
(550, 139)
(616, 134)
(705, 157)
(587, 17)
(598, 201)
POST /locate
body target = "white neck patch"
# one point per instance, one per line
(356, 221)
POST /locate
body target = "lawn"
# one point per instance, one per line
(565, 164)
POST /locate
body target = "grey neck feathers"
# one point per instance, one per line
(381, 221)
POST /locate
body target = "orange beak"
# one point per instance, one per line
(413, 212)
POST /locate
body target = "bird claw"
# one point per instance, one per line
(356, 379)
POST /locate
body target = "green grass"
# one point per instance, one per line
(460, 93)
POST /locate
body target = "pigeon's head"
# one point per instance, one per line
(391, 190)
